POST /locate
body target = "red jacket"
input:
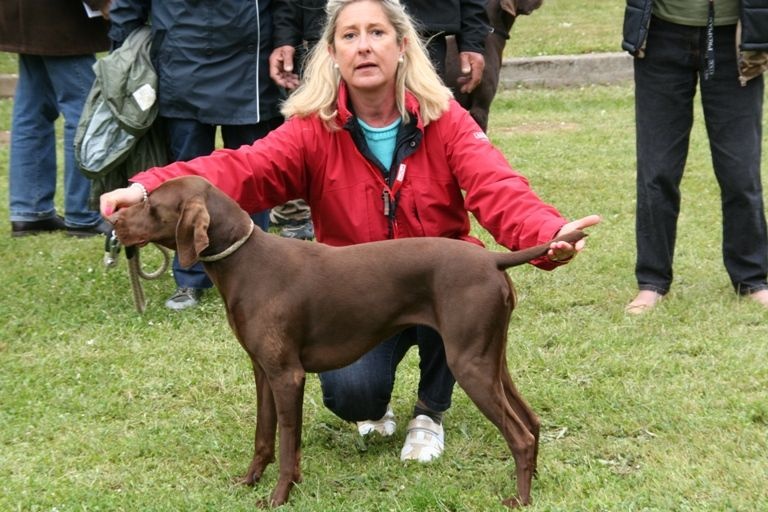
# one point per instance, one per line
(448, 168)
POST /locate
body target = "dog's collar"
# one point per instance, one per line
(229, 250)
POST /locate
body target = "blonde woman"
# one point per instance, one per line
(376, 145)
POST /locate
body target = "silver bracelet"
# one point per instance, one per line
(144, 194)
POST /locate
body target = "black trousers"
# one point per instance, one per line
(665, 86)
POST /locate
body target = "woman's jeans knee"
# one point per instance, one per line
(362, 390)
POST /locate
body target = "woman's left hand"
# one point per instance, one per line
(563, 251)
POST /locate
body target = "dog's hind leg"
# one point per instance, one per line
(480, 375)
(266, 428)
(522, 409)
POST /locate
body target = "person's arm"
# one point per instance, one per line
(269, 172)
(125, 16)
(471, 42)
(286, 36)
(474, 26)
(500, 198)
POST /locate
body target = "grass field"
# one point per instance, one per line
(105, 409)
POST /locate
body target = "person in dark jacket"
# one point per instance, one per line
(677, 45)
(55, 43)
(211, 57)
(297, 27)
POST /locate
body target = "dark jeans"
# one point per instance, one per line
(665, 87)
(188, 139)
(362, 390)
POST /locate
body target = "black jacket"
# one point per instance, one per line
(302, 20)
(754, 25)
(753, 17)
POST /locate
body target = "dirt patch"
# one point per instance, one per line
(5, 137)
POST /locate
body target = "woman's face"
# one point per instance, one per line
(365, 48)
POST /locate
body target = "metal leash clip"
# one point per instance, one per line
(111, 250)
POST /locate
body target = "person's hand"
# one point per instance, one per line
(112, 201)
(281, 67)
(472, 65)
(563, 251)
(105, 9)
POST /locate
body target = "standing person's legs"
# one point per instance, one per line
(733, 115)
(72, 79)
(665, 85)
(32, 174)
(188, 139)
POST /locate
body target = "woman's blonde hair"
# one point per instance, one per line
(318, 91)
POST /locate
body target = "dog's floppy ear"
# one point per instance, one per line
(192, 231)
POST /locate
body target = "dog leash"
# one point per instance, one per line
(135, 271)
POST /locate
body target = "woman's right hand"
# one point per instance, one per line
(110, 202)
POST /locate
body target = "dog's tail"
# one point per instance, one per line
(505, 260)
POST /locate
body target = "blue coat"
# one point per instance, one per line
(211, 57)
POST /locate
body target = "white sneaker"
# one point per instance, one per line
(424, 440)
(384, 426)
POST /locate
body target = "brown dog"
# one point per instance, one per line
(301, 307)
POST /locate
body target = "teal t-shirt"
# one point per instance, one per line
(694, 12)
(381, 141)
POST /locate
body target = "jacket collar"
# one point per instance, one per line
(345, 112)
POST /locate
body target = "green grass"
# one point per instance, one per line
(7, 63)
(105, 409)
(560, 27)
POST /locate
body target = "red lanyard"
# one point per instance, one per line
(389, 195)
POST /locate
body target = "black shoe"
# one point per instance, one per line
(100, 228)
(301, 229)
(34, 227)
(184, 298)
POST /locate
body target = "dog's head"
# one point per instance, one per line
(176, 215)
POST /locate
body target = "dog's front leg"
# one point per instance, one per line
(288, 389)
(266, 428)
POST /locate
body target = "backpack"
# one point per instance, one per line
(119, 133)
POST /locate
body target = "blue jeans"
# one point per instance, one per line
(47, 87)
(665, 87)
(362, 390)
(188, 139)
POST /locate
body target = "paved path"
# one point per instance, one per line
(566, 70)
(555, 71)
